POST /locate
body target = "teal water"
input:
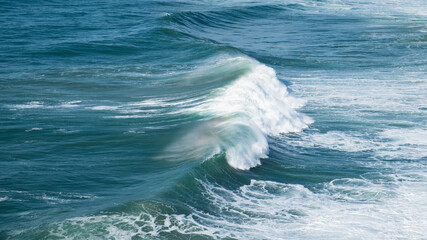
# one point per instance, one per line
(213, 120)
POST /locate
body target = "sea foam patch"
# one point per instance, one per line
(377, 206)
(395, 143)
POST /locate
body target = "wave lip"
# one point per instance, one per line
(255, 105)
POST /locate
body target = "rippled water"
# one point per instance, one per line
(213, 120)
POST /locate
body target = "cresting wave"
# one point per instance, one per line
(241, 116)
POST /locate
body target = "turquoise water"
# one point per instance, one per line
(213, 120)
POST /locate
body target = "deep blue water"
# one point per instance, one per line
(213, 120)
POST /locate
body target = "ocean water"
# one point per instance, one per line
(184, 119)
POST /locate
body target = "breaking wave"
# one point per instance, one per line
(240, 116)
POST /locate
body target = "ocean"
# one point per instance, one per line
(241, 119)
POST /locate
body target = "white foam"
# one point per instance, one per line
(40, 104)
(396, 143)
(68, 131)
(388, 8)
(104, 108)
(29, 105)
(381, 112)
(151, 103)
(70, 104)
(407, 136)
(33, 129)
(374, 206)
(149, 106)
(363, 94)
(167, 102)
(134, 131)
(403, 143)
(128, 116)
(344, 209)
(51, 199)
(338, 141)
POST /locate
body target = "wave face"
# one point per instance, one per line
(213, 120)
